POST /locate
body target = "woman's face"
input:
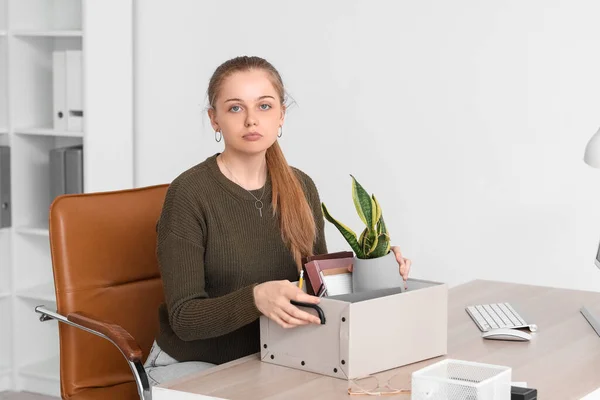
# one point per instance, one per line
(248, 112)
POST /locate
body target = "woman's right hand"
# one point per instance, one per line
(273, 300)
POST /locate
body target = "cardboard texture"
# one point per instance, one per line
(364, 333)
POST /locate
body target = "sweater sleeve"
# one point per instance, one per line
(193, 315)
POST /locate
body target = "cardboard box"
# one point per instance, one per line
(364, 333)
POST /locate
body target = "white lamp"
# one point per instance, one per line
(592, 158)
(592, 151)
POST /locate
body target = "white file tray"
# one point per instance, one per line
(364, 333)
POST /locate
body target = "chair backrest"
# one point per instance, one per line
(103, 248)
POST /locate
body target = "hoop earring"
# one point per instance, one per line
(280, 134)
(219, 137)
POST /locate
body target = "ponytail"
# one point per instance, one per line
(296, 220)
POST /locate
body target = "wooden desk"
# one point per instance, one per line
(562, 360)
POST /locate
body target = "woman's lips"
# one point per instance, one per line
(253, 136)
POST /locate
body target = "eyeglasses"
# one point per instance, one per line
(379, 390)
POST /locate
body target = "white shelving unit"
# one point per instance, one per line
(49, 33)
(6, 334)
(30, 30)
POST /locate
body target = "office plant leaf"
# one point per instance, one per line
(374, 240)
(377, 208)
(382, 248)
(346, 232)
(365, 206)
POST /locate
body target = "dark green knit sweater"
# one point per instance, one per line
(213, 248)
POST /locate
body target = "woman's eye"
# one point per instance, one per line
(265, 106)
(235, 108)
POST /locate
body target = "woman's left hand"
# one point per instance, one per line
(403, 264)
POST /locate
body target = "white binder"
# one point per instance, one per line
(74, 90)
(59, 87)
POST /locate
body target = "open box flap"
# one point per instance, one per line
(413, 285)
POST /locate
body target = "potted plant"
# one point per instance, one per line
(375, 266)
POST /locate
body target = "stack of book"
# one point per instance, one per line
(329, 274)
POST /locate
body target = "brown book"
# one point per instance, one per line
(328, 256)
(323, 262)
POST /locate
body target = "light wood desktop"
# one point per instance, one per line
(562, 361)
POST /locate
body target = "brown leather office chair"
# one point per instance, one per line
(107, 282)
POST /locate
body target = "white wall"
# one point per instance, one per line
(468, 119)
(109, 99)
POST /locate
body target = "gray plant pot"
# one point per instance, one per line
(376, 273)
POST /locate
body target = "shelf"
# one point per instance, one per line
(48, 33)
(31, 72)
(47, 369)
(33, 230)
(31, 166)
(43, 292)
(47, 132)
(4, 295)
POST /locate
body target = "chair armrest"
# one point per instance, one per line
(120, 337)
(112, 332)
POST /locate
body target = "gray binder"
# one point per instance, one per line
(5, 204)
(74, 170)
(66, 171)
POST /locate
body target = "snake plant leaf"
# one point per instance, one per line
(378, 208)
(373, 241)
(362, 238)
(369, 237)
(365, 247)
(373, 238)
(381, 228)
(382, 248)
(363, 203)
(346, 232)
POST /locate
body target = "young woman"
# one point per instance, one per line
(233, 230)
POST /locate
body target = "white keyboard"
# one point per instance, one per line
(497, 315)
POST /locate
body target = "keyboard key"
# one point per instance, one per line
(515, 321)
(475, 316)
(521, 320)
(505, 321)
(478, 319)
(495, 322)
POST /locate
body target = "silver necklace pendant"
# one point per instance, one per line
(259, 205)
